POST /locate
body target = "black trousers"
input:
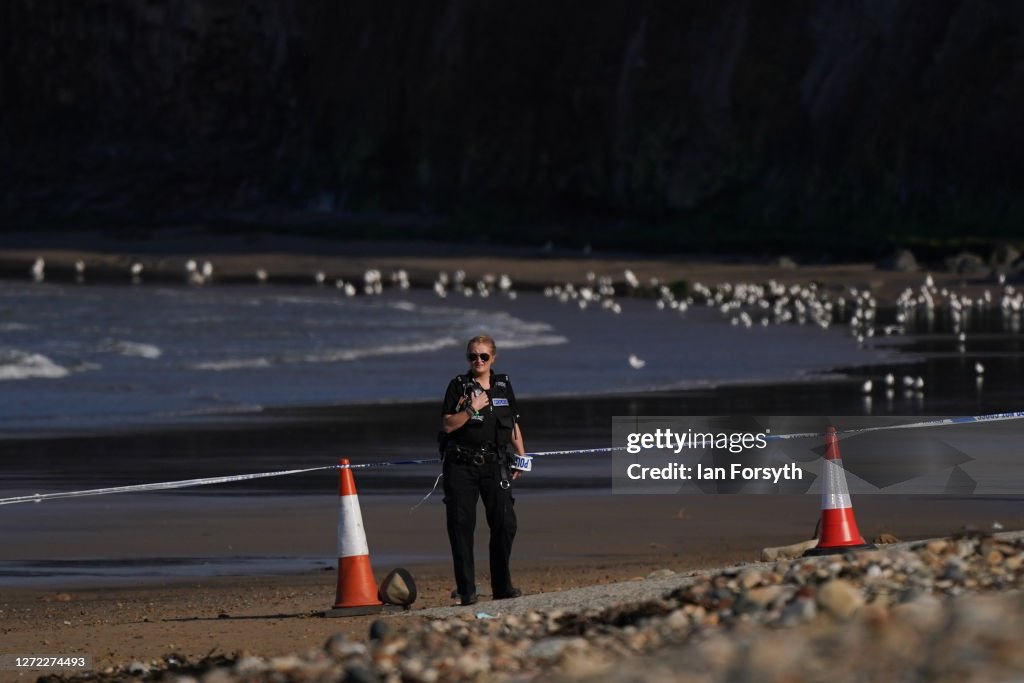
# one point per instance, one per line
(463, 485)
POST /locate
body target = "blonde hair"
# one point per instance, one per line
(483, 339)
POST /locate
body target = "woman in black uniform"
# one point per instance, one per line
(482, 437)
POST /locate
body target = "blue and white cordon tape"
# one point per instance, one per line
(522, 462)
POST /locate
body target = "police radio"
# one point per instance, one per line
(473, 393)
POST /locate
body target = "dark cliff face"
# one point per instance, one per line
(794, 116)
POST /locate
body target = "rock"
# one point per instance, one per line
(840, 598)
(765, 596)
(677, 620)
(356, 673)
(220, 675)
(137, 668)
(583, 666)
(661, 574)
(379, 629)
(339, 647)
(901, 260)
(785, 263)
(285, 663)
(954, 571)
(718, 651)
(249, 665)
(885, 539)
(787, 552)
(751, 578)
(923, 613)
(550, 649)
(471, 664)
(967, 264)
(1004, 256)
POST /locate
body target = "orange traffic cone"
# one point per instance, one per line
(839, 533)
(357, 590)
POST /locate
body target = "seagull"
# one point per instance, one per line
(866, 387)
(889, 379)
(37, 270)
(919, 383)
(635, 362)
(979, 369)
(261, 275)
(192, 273)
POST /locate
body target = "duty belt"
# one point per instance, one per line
(473, 455)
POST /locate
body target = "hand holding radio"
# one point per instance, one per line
(479, 400)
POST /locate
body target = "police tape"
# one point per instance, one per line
(207, 481)
(941, 422)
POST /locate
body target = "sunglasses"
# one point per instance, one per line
(484, 357)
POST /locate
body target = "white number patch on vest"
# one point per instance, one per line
(500, 401)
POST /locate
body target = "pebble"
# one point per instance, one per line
(660, 574)
(553, 648)
(840, 599)
(765, 596)
(379, 629)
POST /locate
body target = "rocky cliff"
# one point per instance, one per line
(750, 118)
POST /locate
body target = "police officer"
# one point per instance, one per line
(481, 437)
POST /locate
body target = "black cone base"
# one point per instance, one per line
(838, 549)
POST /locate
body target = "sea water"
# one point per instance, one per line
(76, 358)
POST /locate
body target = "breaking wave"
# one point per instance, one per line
(17, 364)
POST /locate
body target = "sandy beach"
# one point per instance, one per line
(564, 544)
(568, 538)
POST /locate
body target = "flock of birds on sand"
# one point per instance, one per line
(744, 304)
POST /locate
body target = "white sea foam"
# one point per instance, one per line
(14, 327)
(232, 364)
(17, 364)
(339, 355)
(543, 340)
(136, 349)
(236, 409)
